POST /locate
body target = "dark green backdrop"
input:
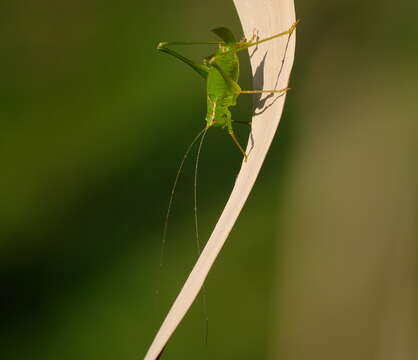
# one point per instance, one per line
(93, 123)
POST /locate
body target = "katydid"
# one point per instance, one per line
(221, 72)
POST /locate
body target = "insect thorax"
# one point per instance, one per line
(227, 60)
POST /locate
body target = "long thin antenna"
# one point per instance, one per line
(173, 189)
(198, 246)
(196, 223)
(167, 216)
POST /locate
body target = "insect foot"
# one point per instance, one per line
(293, 27)
(255, 36)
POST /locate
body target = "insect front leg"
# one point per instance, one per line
(253, 38)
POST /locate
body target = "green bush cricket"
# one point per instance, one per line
(221, 72)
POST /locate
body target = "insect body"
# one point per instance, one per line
(222, 88)
(221, 72)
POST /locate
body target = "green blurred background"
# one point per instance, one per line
(322, 263)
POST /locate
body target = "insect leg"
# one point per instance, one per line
(234, 138)
(190, 43)
(201, 69)
(264, 91)
(242, 122)
(244, 46)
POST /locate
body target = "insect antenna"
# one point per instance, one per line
(200, 135)
(167, 216)
(196, 223)
(173, 189)
(195, 190)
